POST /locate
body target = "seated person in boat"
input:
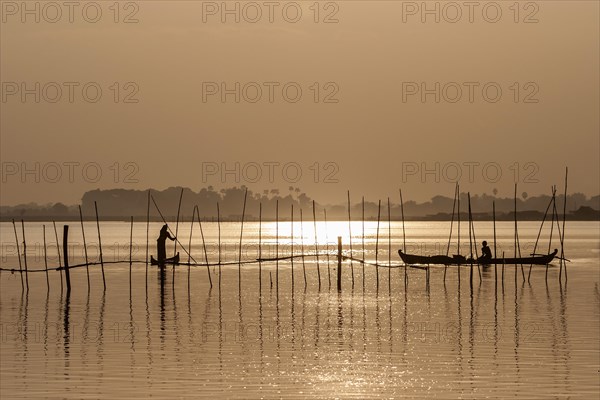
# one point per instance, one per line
(486, 253)
(160, 243)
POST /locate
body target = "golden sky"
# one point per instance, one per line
(367, 120)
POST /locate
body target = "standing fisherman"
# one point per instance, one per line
(160, 243)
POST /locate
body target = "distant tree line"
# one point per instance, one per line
(121, 204)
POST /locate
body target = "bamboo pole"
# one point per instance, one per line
(204, 246)
(19, 255)
(363, 241)
(219, 240)
(339, 264)
(403, 236)
(451, 227)
(130, 247)
(327, 247)
(87, 267)
(518, 245)
(515, 239)
(551, 227)
(539, 234)
(377, 243)
(474, 240)
(292, 242)
(260, 246)
(190, 245)
(389, 242)
(316, 244)
(177, 227)
(458, 226)
(147, 233)
(25, 256)
(241, 235)
(59, 260)
(66, 257)
(495, 256)
(470, 240)
(562, 238)
(451, 221)
(277, 244)
(46, 259)
(302, 247)
(350, 239)
(100, 245)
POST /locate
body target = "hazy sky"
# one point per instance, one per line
(372, 128)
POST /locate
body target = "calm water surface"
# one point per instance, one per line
(171, 335)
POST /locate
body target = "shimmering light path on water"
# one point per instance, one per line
(142, 338)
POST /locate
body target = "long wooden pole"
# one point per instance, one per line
(403, 228)
(130, 246)
(292, 242)
(46, 259)
(147, 232)
(403, 236)
(302, 246)
(350, 239)
(451, 221)
(539, 234)
(177, 223)
(451, 227)
(562, 238)
(260, 246)
(100, 245)
(339, 264)
(66, 257)
(25, 256)
(495, 256)
(59, 260)
(190, 245)
(377, 243)
(474, 240)
(241, 235)
(204, 246)
(219, 240)
(389, 242)
(470, 239)
(19, 255)
(277, 244)
(517, 244)
(316, 243)
(363, 240)
(327, 248)
(87, 267)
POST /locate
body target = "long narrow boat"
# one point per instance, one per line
(172, 260)
(461, 260)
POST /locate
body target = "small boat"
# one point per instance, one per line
(461, 260)
(172, 260)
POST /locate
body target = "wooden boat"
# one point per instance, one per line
(172, 260)
(461, 260)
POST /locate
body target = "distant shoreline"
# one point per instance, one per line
(172, 219)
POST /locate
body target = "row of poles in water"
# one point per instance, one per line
(23, 266)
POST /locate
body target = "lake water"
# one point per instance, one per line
(258, 334)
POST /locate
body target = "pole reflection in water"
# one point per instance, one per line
(402, 341)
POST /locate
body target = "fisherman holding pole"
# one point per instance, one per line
(160, 243)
